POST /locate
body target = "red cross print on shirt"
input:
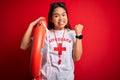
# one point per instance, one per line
(59, 49)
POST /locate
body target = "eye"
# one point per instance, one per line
(56, 16)
(64, 14)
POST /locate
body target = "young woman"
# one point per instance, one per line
(62, 47)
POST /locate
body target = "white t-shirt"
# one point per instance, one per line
(51, 70)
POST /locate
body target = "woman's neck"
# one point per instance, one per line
(59, 28)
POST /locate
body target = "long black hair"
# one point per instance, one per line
(52, 7)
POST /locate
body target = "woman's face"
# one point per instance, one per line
(59, 18)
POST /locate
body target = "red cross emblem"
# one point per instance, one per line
(59, 49)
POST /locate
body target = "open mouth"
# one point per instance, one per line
(61, 23)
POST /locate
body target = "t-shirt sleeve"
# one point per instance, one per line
(73, 37)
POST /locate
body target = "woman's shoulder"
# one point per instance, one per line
(71, 31)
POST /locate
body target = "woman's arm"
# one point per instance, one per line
(77, 52)
(26, 41)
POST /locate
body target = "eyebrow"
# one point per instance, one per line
(58, 13)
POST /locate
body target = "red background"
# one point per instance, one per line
(101, 54)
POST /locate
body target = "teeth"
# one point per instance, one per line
(61, 23)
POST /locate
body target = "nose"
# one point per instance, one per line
(61, 17)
